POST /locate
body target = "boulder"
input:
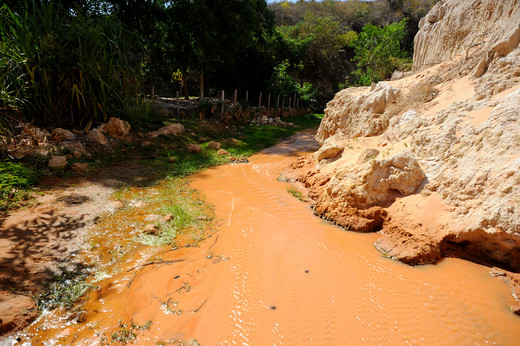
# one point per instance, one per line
(367, 155)
(116, 204)
(214, 145)
(78, 150)
(329, 150)
(151, 229)
(16, 312)
(222, 152)
(116, 128)
(166, 218)
(377, 182)
(79, 167)
(60, 134)
(57, 161)
(172, 129)
(193, 149)
(356, 112)
(472, 29)
(97, 136)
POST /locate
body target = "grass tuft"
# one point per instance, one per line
(295, 193)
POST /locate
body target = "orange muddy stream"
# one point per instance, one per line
(275, 273)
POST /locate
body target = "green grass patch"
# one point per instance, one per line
(15, 182)
(297, 194)
(65, 291)
(239, 140)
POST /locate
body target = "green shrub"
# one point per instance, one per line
(378, 52)
(281, 83)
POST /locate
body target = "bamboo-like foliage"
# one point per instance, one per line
(64, 69)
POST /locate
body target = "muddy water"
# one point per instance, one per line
(276, 274)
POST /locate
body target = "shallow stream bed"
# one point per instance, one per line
(274, 273)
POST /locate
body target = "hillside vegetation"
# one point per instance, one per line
(77, 62)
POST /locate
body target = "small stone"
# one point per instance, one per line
(151, 229)
(214, 145)
(165, 218)
(193, 149)
(60, 134)
(222, 152)
(69, 156)
(171, 159)
(117, 204)
(79, 167)
(146, 144)
(57, 162)
(367, 155)
(139, 204)
(152, 217)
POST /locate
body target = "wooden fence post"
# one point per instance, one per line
(235, 97)
(260, 100)
(177, 94)
(277, 101)
(268, 101)
(247, 96)
(222, 100)
(289, 103)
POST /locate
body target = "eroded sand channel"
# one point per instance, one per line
(277, 274)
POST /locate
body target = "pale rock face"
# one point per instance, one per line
(60, 134)
(116, 128)
(474, 29)
(97, 136)
(377, 182)
(330, 148)
(57, 162)
(356, 112)
(172, 129)
(462, 149)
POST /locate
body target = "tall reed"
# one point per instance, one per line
(61, 68)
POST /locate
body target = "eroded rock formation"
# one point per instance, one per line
(440, 177)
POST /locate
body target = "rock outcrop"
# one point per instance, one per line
(357, 112)
(476, 30)
(440, 177)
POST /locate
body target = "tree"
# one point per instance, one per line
(378, 52)
(214, 33)
(320, 44)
